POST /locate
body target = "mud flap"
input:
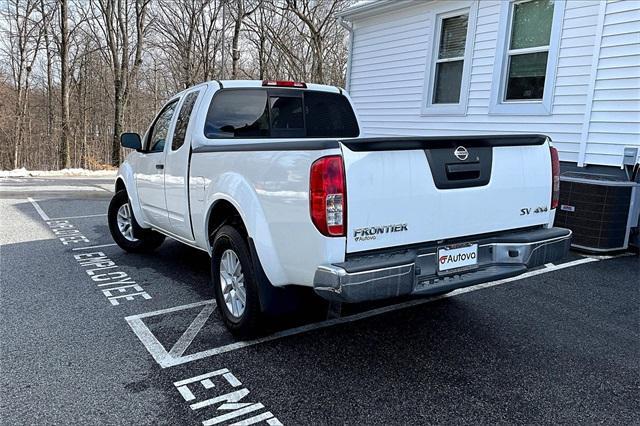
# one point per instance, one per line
(276, 300)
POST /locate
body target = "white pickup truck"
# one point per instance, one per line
(273, 180)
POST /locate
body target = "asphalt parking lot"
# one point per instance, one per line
(91, 334)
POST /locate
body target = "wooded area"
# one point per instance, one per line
(74, 74)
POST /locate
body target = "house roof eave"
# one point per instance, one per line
(372, 8)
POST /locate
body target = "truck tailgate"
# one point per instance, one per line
(404, 191)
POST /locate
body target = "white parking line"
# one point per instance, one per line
(187, 337)
(93, 247)
(80, 217)
(46, 217)
(169, 310)
(41, 212)
(62, 229)
(174, 356)
(165, 359)
(609, 256)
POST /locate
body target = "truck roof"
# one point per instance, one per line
(258, 83)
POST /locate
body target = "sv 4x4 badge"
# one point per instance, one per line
(371, 233)
(526, 211)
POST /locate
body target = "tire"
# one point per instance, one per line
(133, 238)
(230, 251)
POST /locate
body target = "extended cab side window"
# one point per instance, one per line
(183, 120)
(160, 130)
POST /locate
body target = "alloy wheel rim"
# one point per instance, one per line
(125, 222)
(232, 283)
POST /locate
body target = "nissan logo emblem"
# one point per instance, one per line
(461, 153)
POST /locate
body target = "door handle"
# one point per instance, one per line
(159, 166)
(463, 171)
(463, 167)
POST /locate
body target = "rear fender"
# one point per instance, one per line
(233, 188)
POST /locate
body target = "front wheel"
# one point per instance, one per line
(235, 283)
(125, 229)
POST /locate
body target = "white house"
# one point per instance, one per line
(566, 68)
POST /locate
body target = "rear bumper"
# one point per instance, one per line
(414, 271)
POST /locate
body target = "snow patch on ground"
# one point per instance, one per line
(64, 172)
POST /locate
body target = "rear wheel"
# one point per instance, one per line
(126, 231)
(235, 283)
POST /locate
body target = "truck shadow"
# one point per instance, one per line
(183, 269)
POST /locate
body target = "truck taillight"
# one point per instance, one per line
(555, 177)
(328, 196)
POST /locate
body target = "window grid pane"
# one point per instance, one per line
(526, 76)
(453, 37)
(447, 82)
(531, 24)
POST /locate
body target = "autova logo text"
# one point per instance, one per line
(460, 257)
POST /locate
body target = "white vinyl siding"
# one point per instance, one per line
(389, 59)
(615, 101)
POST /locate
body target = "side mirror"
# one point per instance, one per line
(131, 140)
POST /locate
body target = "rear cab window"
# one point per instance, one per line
(279, 113)
(183, 120)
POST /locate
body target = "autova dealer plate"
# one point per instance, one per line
(458, 257)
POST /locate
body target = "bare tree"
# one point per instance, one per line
(316, 16)
(239, 12)
(209, 39)
(24, 35)
(64, 155)
(47, 12)
(119, 24)
(74, 73)
(177, 22)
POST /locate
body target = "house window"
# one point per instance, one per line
(528, 44)
(448, 69)
(528, 51)
(450, 60)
